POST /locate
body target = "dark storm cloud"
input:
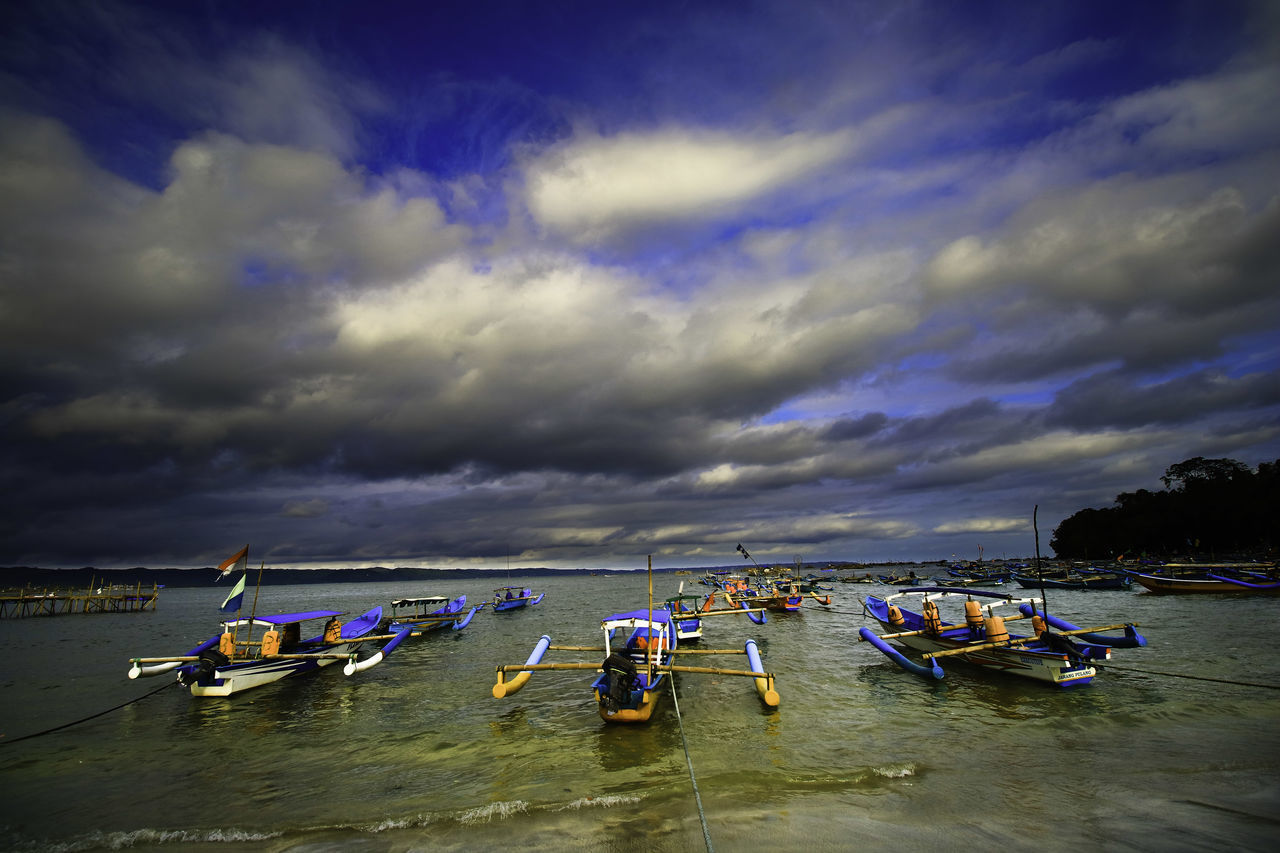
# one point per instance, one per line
(1114, 400)
(880, 306)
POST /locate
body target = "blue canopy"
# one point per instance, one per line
(286, 618)
(659, 616)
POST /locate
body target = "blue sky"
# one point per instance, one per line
(574, 283)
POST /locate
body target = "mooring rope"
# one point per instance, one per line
(164, 686)
(1184, 675)
(706, 833)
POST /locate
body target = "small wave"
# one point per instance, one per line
(389, 824)
(899, 772)
(135, 837)
(602, 802)
(484, 814)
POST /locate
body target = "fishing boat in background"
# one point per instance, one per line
(1074, 580)
(1229, 578)
(777, 589)
(1050, 654)
(512, 598)
(975, 576)
(909, 579)
(780, 595)
(639, 649)
(232, 660)
(422, 615)
(687, 610)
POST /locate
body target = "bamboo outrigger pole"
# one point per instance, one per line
(1020, 641)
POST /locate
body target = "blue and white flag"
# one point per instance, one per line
(236, 597)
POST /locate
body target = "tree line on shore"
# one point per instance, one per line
(1214, 508)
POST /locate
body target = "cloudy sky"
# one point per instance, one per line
(570, 283)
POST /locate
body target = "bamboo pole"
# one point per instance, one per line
(710, 670)
(1022, 641)
(310, 656)
(254, 610)
(517, 667)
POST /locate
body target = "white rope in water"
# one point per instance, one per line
(706, 833)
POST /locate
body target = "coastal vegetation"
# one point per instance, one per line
(1209, 508)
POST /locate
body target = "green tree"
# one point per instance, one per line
(1208, 506)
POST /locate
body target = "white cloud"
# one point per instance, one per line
(593, 185)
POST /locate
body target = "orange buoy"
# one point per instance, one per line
(895, 617)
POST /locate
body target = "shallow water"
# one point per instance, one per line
(415, 754)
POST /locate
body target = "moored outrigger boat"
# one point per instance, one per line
(225, 664)
(422, 615)
(687, 610)
(639, 648)
(982, 639)
(1073, 580)
(780, 594)
(513, 597)
(1236, 579)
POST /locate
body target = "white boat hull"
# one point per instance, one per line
(246, 676)
(1049, 667)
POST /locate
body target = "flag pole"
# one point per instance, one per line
(235, 631)
(254, 610)
(649, 652)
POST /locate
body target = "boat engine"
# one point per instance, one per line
(203, 669)
(1064, 645)
(620, 672)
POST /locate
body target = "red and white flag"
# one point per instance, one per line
(239, 562)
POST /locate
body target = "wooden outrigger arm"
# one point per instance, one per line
(1022, 641)
(764, 681)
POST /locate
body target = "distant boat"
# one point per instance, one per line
(428, 614)
(513, 597)
(1109, 580)
(1237, 579)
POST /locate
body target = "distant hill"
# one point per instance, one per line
(18, 576)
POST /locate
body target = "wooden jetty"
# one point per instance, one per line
(106, 598)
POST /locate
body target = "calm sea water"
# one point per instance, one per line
(415, 754)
